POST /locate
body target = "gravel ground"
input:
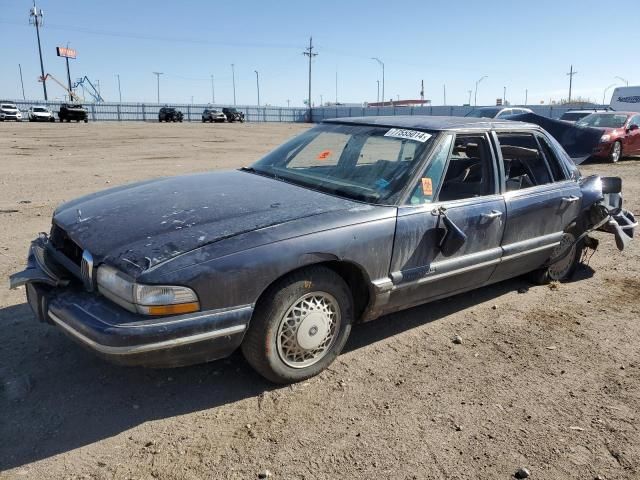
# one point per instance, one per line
(546, 377)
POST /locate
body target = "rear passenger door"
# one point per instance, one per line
(634, 136)
(461, 176)
(542, 200)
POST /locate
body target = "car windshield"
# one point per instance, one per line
(573, 116)
(360, 162)
(483, 112)
(39, 109)
(8, 106)
(605, 120)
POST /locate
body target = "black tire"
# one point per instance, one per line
(52, 119)
(564, 269)
(616, 152)
(86, 120)
(261, 346)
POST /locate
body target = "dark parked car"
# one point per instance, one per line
(351, 220)
(620, 137)
(213, 115)
(73, 111)
(572, 116)
(233, 115)
(169, 114)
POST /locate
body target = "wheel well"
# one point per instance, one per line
(355, 278)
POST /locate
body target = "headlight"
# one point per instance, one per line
(605, 138)
(145, 299)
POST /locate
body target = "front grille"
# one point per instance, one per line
(65, 245)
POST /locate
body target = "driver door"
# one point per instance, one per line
(460, 178)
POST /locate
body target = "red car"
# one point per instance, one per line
(621, 135)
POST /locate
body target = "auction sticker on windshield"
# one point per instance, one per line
(408, 134)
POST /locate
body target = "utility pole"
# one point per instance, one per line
(321, 101)
(258, 86)
(119, 89)
(336, 88)
(504, 95)
(470, 92)
(526, 96)
(444, 92)
(213, 91)
(157, 74)
(475, 101)
(35, 18)
(21, 82)
(288, 103)
(381, 63)
(378, 97)
(233, 75)
(571, 74)
(309, 53)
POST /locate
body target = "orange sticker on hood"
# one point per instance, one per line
(324, 155)
(427, 186)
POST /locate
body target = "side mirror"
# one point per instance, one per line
(611, 184)
(632, 127)
(452, 238)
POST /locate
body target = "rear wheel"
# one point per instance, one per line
(300, 325)
(563, 262)
(616, 152)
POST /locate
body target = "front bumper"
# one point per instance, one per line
(126, 338)
(602, 150)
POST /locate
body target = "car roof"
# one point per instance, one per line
(592, 110)
(425, 122)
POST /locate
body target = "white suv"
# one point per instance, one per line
(8, 111)
(38, 113)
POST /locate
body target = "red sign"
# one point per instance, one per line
(66, 52)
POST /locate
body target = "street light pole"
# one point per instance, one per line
(526, 96)
(470, 92)
(605, 92)
(624, 80)
(381, 63)
(233, 75)
(35, 18)
(213, 91)
(475, 101)
(157, 74)
(21, 82)
(119, 89)
(258, 86)
(378, 97)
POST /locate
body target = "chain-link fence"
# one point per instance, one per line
(148, 112)
(113, 111)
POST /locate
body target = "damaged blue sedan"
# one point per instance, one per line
(350, 220)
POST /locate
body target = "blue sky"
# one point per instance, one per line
(517, 44)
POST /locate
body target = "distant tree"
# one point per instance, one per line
(577, 101)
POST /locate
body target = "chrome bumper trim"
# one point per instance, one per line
(149, 347)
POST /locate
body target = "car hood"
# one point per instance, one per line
(142, 225)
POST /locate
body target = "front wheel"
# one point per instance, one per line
(616, 152)
(300, 326)
(563, 262)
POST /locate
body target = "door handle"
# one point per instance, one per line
(570, 199)
(493, 214)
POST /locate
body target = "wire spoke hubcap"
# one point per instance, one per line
(308, 329)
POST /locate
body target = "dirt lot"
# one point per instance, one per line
(546, 378)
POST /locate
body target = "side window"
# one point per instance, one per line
(505, 113)
(635, 120)
(428, 184)
(552, 160)
(524, 164)
(468, 174)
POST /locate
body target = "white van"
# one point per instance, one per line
(626, 99)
